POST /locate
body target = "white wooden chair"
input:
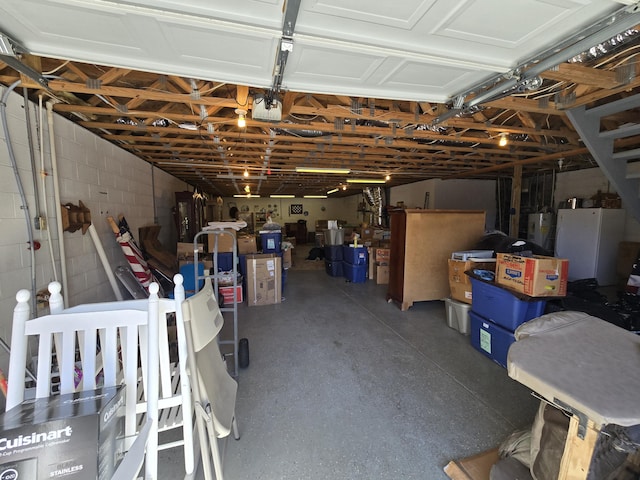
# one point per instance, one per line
(214, 390)
(175, 405)
(117, 343)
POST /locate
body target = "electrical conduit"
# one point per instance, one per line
(56, 194)
(43, 174)
(23, 198)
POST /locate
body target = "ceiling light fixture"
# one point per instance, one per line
(248, 195)
(246, 173)
(344, 187)
(503, 139)
(242, 119)
(334, 190)
(387, 178)
(366, 180)
(247, 188)
(315, 196)
(282, 195)
(238, 177)
(340, 171)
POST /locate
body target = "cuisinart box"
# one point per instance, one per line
(74, 436)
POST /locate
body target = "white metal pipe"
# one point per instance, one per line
(44, 190)
(58, 203)
(105, 262)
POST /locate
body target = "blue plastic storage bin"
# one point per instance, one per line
(225, 262)
(501, 306)
(354, 255)
(490, 339)
(354, 273)
(334, 268)
(333, 253)
(271, 242)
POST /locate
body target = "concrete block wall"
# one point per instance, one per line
(107, 179)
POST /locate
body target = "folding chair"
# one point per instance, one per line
(112, 346)
(214, 390)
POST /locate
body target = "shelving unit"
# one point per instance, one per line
(215, 278)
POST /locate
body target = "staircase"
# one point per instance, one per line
(613, 159)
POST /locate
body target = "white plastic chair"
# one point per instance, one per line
(214, 390)
(111, 344)
(175, 406)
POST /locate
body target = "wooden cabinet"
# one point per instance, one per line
(421, 243)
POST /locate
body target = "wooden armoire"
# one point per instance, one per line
(421, 243)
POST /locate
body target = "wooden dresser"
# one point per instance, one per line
(421, 243)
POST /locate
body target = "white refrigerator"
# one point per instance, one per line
(589, 238)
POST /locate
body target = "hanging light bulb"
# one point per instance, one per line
(387, 178)
(247, 188)
(344, 187)
(503, 140)
(246, 173)
(242, 119)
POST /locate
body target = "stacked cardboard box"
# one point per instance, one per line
(381, 261)
(535, 276)
(459, 283)
(247, 244)
(225, 242)
(264, 279)
(185, 254)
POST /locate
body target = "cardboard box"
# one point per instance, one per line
(366, 234)
(382, 274)
(184, 251)
(264, 279)
(74, 436)
(536, 276)
(227, 294)
(477, 467)
(459, 283)
(381, 255)
(247, 244)
(372, 265)
(225, 242)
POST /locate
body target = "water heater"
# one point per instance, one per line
(539, 229)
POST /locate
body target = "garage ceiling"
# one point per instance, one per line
(414, 89)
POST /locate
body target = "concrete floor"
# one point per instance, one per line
(344, 385)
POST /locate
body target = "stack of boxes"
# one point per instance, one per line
(518, 295)
(459, 305)
(379, 265)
